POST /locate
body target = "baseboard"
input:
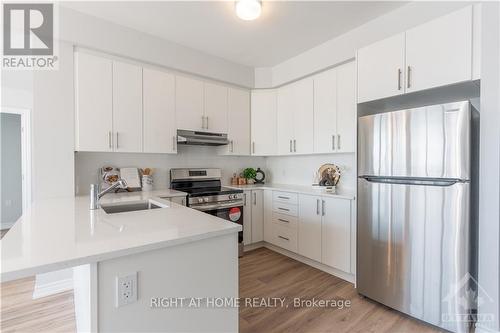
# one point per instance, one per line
(327, 269)
(52, 288)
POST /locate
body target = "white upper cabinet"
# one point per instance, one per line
(127, 107)
(215, 108)
(94, 103)
(263, 122)
(325, 111)
(436, 53)
(285, 119)
(189, 101)
(440, 52)
(336, 233)
(381, 69)
(159, 128)
(295, 118)
(309, 227)
(238, 122)
(346, 109)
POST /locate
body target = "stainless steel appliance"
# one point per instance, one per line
(200, 138)
(206, 194)
(414, 235)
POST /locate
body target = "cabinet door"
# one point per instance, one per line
(285, 120)
(127, 107)
(238, 122)
(247, 217)
(257, 216)
(159, 112)
(336, 233)
(189, 103)
(325, 111)
(215, 108)
(381, 69)
(268, 216)
(303, 125)
(309, 230)
(439, 52)
(94, 103)
(346, 108)
(263, 117)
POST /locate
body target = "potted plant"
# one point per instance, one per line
(249, 174)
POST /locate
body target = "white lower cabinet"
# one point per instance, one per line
(253, 216)
(317, 227)
(336, 233)
(309, 231)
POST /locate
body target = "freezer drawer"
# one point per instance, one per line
(413, 249)
(432, 141)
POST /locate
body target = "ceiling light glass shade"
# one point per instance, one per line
(248, 9)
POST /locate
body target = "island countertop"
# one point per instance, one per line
(63, 232)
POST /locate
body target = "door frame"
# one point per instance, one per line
(26, 163)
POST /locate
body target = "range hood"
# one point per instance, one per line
(199, 138)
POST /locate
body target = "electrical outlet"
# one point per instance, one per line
(126, 289)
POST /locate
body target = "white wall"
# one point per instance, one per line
(91, 32)
(87, 164)
(299, 170)
(344, 47)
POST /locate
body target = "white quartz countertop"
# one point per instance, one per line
(63, 232)
(316, 190)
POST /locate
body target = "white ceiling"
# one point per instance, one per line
(285, 29)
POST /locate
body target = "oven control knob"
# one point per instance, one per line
(205, 199)
(200, 200)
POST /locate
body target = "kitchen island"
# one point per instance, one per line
(175, 252)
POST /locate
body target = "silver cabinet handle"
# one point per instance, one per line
(244, 199)
(285, 209)
(322, 207)
(110, 140)
(333, 141)
(294, 145)
(253, 147)
(399, 78)
(408, 77)
(232, 146)
(338, 141)
(254, 198)
(290, 145)
(116, 140)
(174, 143)
(287, 239)
(282, 197)
(282, 220)
(317, 206)
(207, 122)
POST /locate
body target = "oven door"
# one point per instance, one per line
(233, 214)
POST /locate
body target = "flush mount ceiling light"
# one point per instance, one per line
(248, 9)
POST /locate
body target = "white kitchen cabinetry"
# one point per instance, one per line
(263, 122)
(247, 217)
(215, 108)
(381, 69)
(257, 205)
(94, 103)
(189, 102)
(335, 110)
(159, 128)
(309, 227)
(238, 124)
(433, 54)
(295, 118)
(127, 107)
(440, 52)
(336, 233)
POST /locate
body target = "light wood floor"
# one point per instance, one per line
(263, 273)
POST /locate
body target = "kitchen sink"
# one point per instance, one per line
(124, 207)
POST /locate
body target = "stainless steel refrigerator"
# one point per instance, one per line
(414, 233)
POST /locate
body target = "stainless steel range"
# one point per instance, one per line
(206, 194)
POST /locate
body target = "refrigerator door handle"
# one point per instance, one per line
(414, 181)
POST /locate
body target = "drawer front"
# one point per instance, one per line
(284, 237)
(285, 220)
(291, 198)
(284, 208)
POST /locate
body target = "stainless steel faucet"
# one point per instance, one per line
(96, 193)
